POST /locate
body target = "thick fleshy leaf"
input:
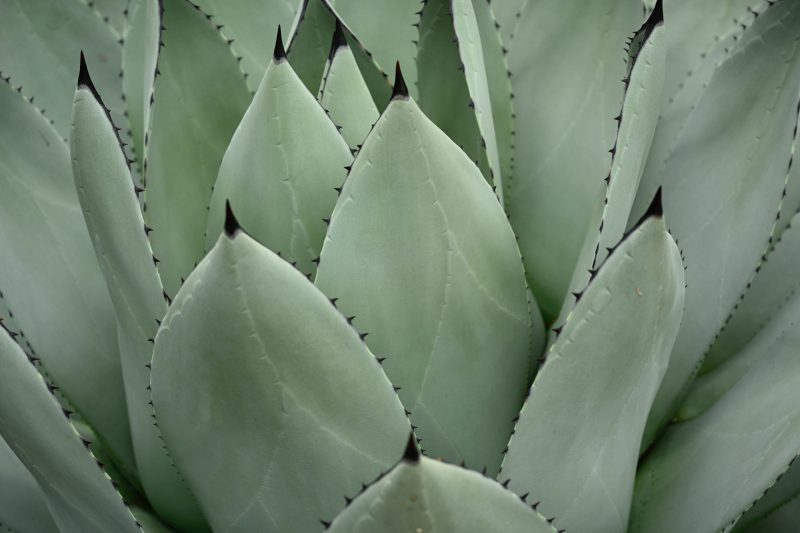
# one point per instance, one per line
(79, 495)
(507, 14)
(117, 229)
(112, 12)
(252, 25)
(499, 81)
(309, 50)
(637, 119)
(722, 192)
(345, 95)
(41, 41)
(453, 84)
(769, 302)
(269, 402)
(701, 475)
(637, 126)
(785, 489)
(420, 251)
(576, 444)
(282, 169)
(49, 275)
(683, 88)
(139, 56)
(23, 507)
(200, 97)
(565, 127)
(421, 494)
(387, 28)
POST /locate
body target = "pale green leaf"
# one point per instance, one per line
(117, 229)
(420, 251)
(387, 28)
(498, 79)
(782, 520)
(281, 169)
(112, 12)
(79, 495)
(421, 494)
(683, 89)
(252, 26)
(565, 111)
(308, 52)
(790, 204)
(444, 94)
(200, 97)
(42, 40)
(785, 489)
(139, 56)
(23, 507)
(701, 475)
(577, 441)
(345, 95)
(722, 192)
(270, 404)
(49, 275)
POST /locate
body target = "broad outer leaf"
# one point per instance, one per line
(346, 97)
(309, 50)
(722, 192)
(565, 126)
(49, 275)
(577, 441)
(702, 474)
(420, 251)
(23, 507)
(270, 404)
(387, 28)
(281, 169)
(117, 229)
(200, 97)
(421, 494)
(139, 56)
(79, 495)
(770, 301)
(683, 87)
(252, 25)
(41, 42)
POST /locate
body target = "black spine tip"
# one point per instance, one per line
(231, 224)
(279, 54)
(399, 90)
(339, 40)
(657, 16)
(412, 452)
(84, 79)
(656, 209)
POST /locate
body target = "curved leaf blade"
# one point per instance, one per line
(270, 404)
(420, 251)
(282, 169)
(724, 236)
(200, 97)
(117, 230)
(49, 275)
(310, 46)
(23, 507)
(575, 446)
(79, 495)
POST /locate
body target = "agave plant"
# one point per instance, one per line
(428, 266)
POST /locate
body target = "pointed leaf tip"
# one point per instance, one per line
(339, 39)
(399, 90)
(231, 224)
(412, 452)
(656, 209)
(279, 54)
(84, 78)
